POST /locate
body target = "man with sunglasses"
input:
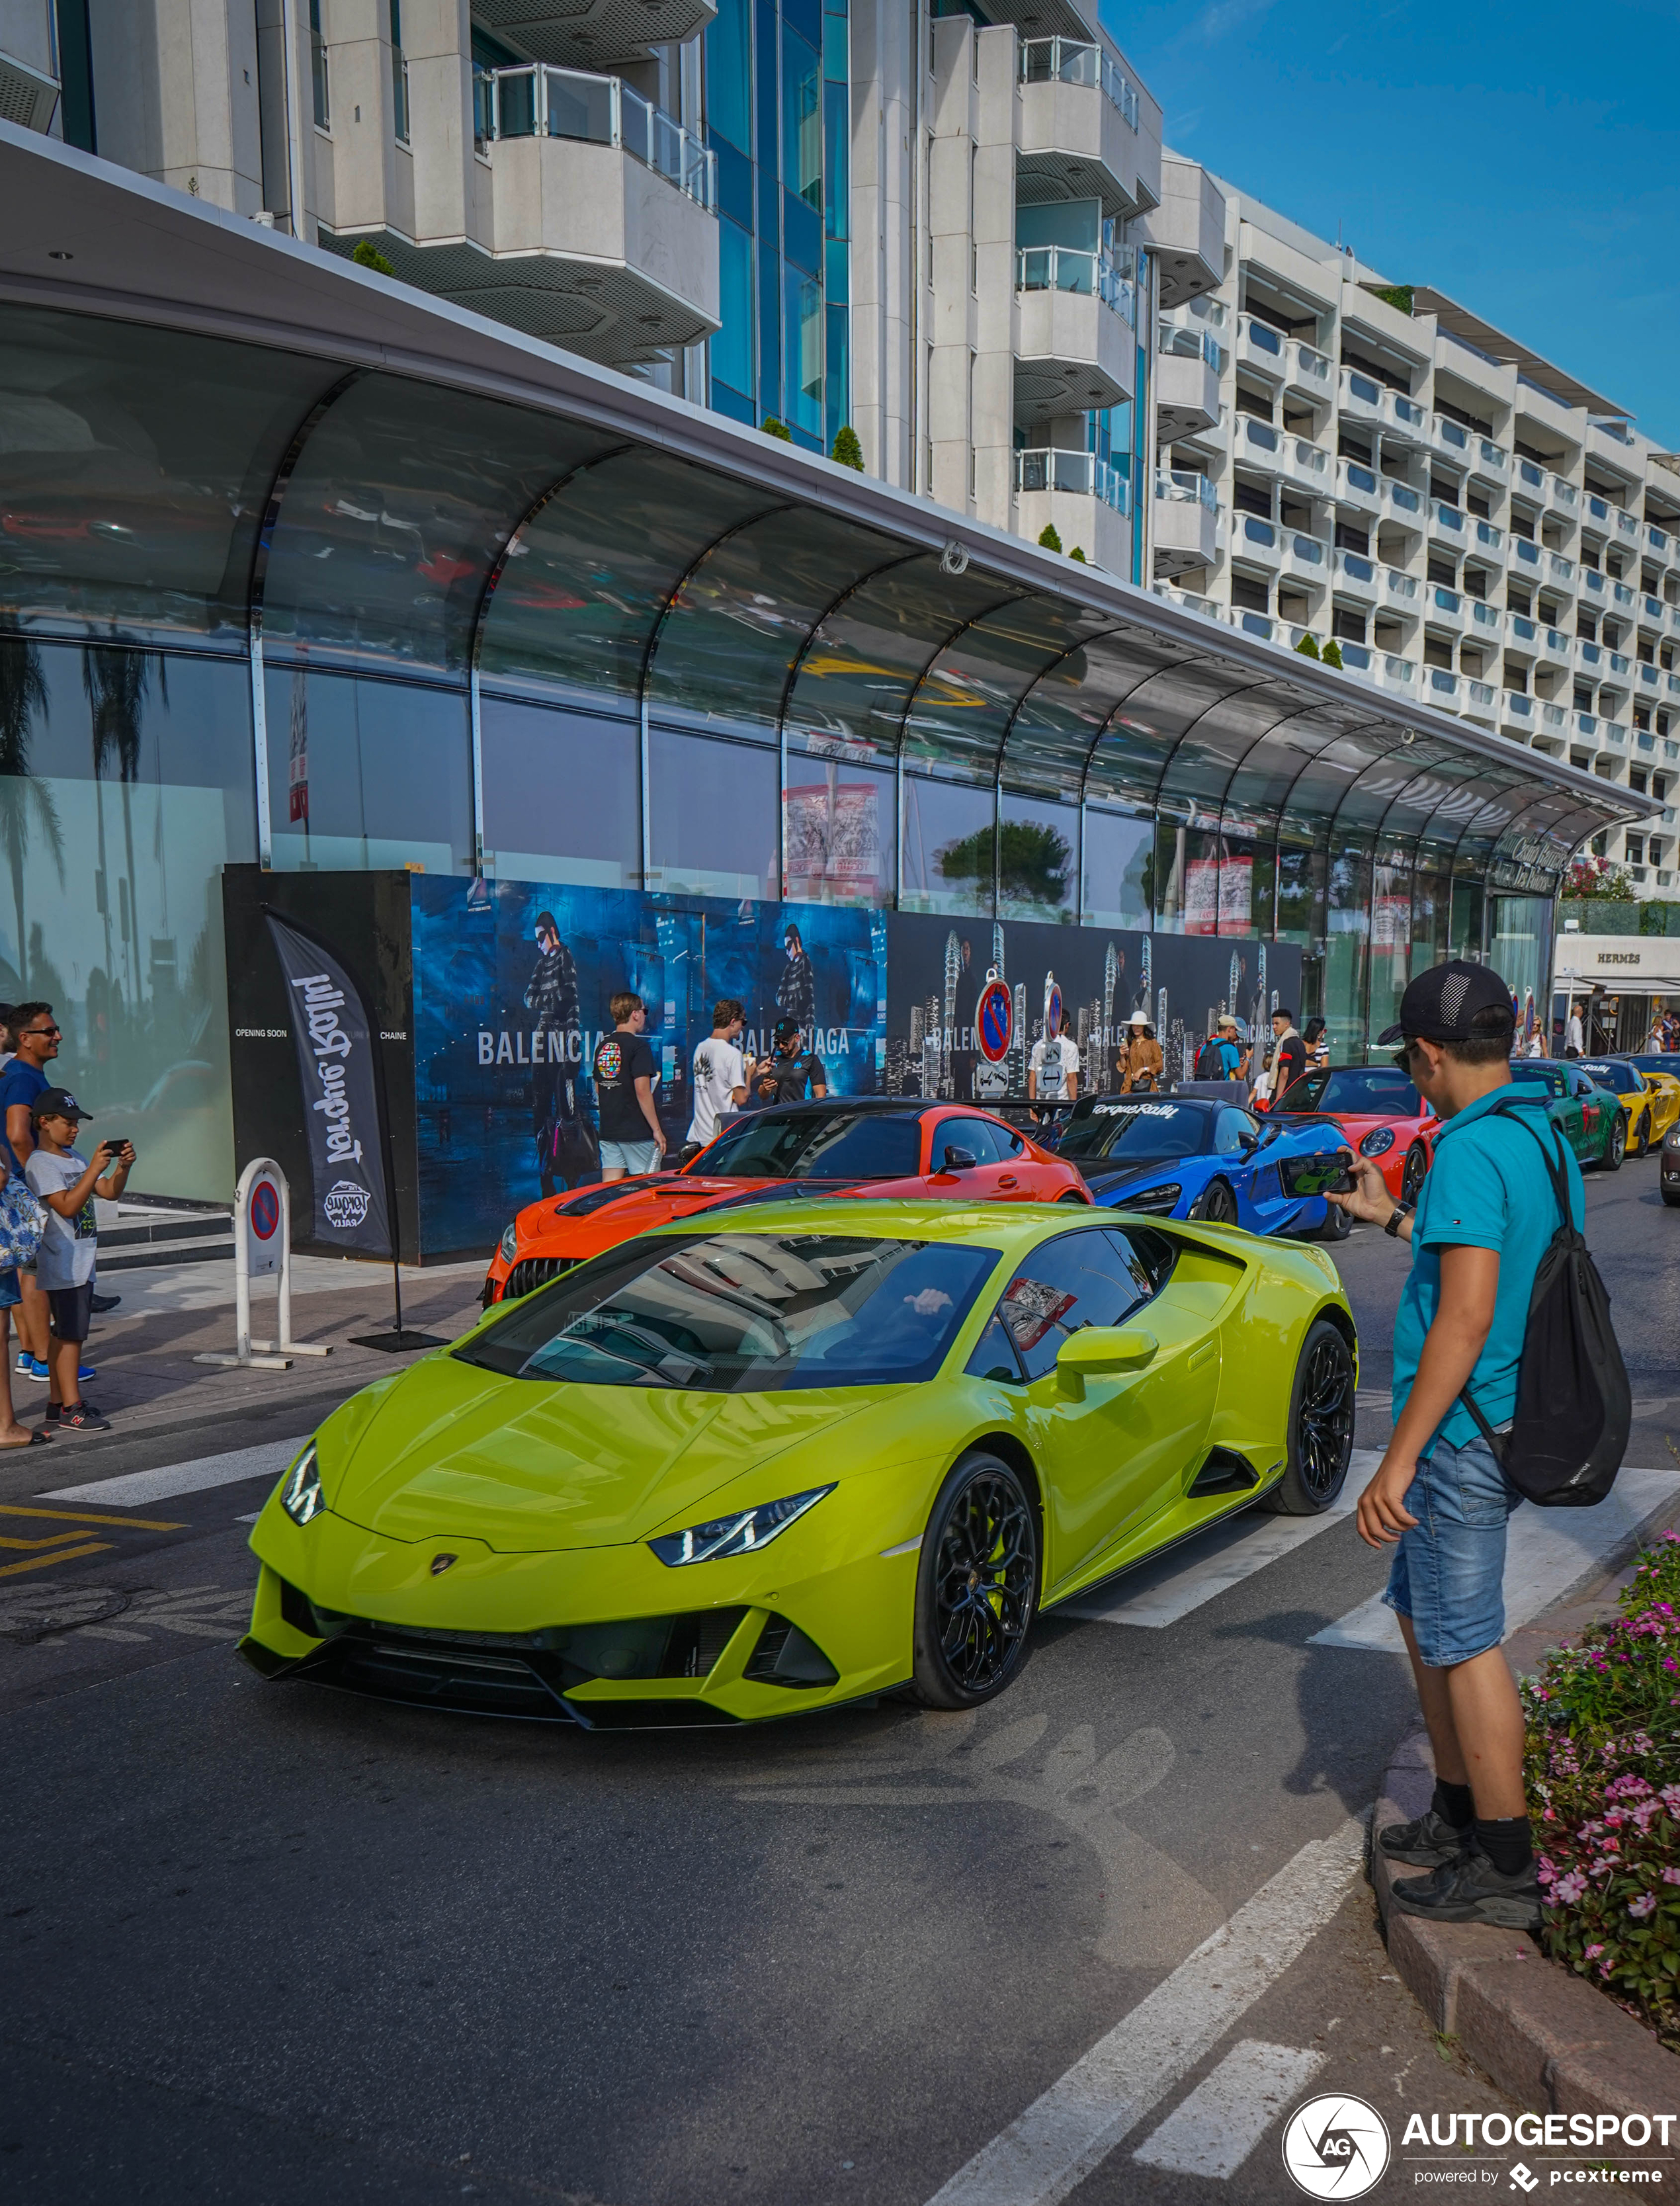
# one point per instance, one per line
(1485, 1217)
(34, 1035)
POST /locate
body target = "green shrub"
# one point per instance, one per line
(1332, 653)
(1308, 646)
(772, 427)
(848, 452)
(1397, 295)
(1078, 552)
(368, 255)
(1048, 538)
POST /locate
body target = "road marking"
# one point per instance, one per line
(1547, 1553)
(266, 1460)
(83, 1516)
(1214, 2131)
(58, 1555)
(1158, 1593)
(1045, 2152)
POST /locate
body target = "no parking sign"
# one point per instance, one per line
(264, 1241)
(994, 1021)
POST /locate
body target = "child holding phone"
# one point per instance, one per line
(66, 1183)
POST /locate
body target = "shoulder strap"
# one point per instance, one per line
(1560, 1188)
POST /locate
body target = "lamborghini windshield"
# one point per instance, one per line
(742, 1313)
(840, 1145)
(1360, 1091)
(1138, 1133)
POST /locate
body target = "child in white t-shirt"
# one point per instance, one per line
(65, 1184)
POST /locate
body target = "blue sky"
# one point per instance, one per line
(1522, 160)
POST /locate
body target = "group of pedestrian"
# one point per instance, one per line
(48, 1291)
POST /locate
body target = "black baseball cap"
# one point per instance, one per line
(1442, 1003)
(56, 1103)
(787, 1030)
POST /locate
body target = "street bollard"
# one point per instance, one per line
(262, 1247)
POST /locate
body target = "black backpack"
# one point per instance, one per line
(1210, 1062)
(1574, 1405)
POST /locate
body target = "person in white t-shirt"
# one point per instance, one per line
(1052, 1071)
(721, 1075)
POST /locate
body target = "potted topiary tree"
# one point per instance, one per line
(1048, 538)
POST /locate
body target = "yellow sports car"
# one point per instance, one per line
(1649, 1101)
(797, 1454)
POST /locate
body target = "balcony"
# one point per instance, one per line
(1382, 669)
(1626, 528)
(1362, 396)
(604, 233)
(1189, 529)
(1649, 678)
(1519, 711)
(1560, 570)
(1623, 595)
(1586, 727)
(1553, 648)
(1258, 444)
(1358, 487)
(1524, 559)
(1487, 622)
(1187, 231)
(1079, 127)
(1304, 557)
(1658, 541)
(1188, 601)
(1592, 585)
(1077, 349)
(1530, 481)
(1404, 421)
(1445, 608)
(1400, 592)
(1489, 462)
(1523, 633)
(1261, 347)
(1452, 438)
(1405, 504)
(1248, 621)
(1309, 373)
(1563, 497)
(1260, 543)
(1187, 381)
(1487, 538)
(1443, 688)
(1588, 656)
(1651, 611)
(1308, 465)
(1355, 577)
(1447, 525)
(1481, 698)
(1081, 497)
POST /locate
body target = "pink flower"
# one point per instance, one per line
(1645, 1904)
(1593, 1953)
(1567, 1889)
(1672, 1876)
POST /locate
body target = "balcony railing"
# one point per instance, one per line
(1651, 609)
(1490, 535)
(1357, 574)
(1657, 541)
(1481, 695)
(1357, 485)
(1309, 368)
(1255, 537)
(1361, 390)
(1255, 338)
(1081, 474)
(1401, 585)
(1178, 342)
(1450, 435)
(1086, 275)
(533, 101)
(1530, 475)
(1522, 629)
(1592, 582)
(1486, 619)
(1524, 553)
(1445, 520)
(1261, 437)
(1623, 593)
(1403, 499)
(1564, 494)
(1071, 61)
(1445, 688)
(1518, 706)
(1308, 463)
(1492, 457)
(1405, 414)
(1183, 487)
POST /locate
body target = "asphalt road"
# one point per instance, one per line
(261, 1944)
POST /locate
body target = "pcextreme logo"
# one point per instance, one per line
(1335, 2147)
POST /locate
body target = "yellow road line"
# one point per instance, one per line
(58, 1555)
(82, 1517)
(52, 1540)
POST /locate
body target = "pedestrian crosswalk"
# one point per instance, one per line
(1214, 2131)
(229, 1468)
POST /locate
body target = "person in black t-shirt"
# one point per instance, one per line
(1288, 1057)
(792, 1074)
(632, 1140)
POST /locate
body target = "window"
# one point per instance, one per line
(365, 774)
(1038, 858)
(1084, 1278)
(1117, 861)
(318, 68)
(1235, 1133)
(1636, 850)
(950, 846)
(399, 75)
(712, 808)
(732, 347)
(729, 75)
(562, 800)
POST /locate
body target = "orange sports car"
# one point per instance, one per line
(1379, 1112)
(842, 1145)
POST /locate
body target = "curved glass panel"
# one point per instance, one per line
(1431, 904)
(129, 788)
(1203, 763)
(1347, 948)
(711, 815)
(740, 619)
(134, 466)
(1390, 931)
(1060, 720)
(588, 577)
(363, 774)
(1155, 719)
(958, 715)
(562, 794)
(1117, 865)
(948, 856)
(399, 506)
(838, 822)
(1038, 858)
(856, 682)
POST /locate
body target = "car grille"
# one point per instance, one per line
(534, 1272)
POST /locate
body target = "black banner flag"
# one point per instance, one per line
(333, 1030)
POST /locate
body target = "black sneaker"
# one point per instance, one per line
(83, 1418)
(1469, 1889)
(1430, 1842)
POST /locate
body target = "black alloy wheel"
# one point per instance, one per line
(1217, 1204)
(1616, 1148)
(977, 1584)
(1337, 1224)
(1321, 1424)
(1071, 1195)
(1411, 1179)
(1644, 1144)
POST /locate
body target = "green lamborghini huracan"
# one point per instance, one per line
(744, 1466)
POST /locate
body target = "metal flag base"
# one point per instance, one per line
(394, 1343)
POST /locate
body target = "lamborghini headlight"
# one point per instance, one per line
(742, 1534)
(1377, 1142)
(511, 1241)
(300, 1495)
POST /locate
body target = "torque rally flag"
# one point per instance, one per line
(333, 1034)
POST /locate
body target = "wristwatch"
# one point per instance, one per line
(1400, 1210)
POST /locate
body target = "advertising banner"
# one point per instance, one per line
(333, 1036)
(513, 982)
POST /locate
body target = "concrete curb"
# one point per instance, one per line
(1539, 2032)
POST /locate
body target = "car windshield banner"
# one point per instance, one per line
(333, 1034)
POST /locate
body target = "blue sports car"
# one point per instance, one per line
(1195, 1156)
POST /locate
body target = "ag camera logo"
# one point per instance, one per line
(346, 1204)
(1335, 2147)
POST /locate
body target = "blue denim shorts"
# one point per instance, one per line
(633, 1157)
(10, 1293)
(1449, 1570)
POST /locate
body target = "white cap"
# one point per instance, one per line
(1138, 1019)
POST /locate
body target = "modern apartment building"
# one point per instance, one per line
(944, 224)
(1347, 458)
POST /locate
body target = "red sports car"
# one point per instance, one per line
(1379, 1112)
(842, 1145)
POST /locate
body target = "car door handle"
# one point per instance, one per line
(1009, 1179)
